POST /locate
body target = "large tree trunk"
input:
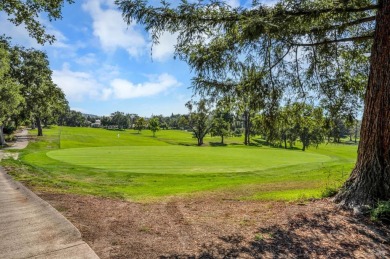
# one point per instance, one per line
(247, 127)
(2, 139)
(370, 179)
(356, 131)
(39, 126)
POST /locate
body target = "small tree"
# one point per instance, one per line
(154, 125)
(140, 124)
(222, 121)
(182, 122)
(106, 121)
(199, 120)
(120, 119)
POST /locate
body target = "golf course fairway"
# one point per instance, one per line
(139, 167)
(182, 159)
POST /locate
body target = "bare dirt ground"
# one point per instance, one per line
(209, 227)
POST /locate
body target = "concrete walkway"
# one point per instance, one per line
(21, 140)
(31, 228)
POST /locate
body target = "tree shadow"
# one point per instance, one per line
(236, 144)
(262, 142)
(186, 144)
(116, 129)
(319, 236)
(217, 144)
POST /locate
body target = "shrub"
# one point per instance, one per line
(10, 138)
(381, 212)
(329, 191)
(8, 129)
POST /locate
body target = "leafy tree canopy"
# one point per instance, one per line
(28, 12)
(293, 43)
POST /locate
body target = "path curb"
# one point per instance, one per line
(31, 228)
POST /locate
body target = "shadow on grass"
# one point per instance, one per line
(187, 144)
(236, 144)
(217, 144)
(116, 129)
(319, 236)
(261, 142)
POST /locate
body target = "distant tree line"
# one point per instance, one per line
(282, 126)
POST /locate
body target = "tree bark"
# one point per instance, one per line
(247, 127)
(304, 138)
(370, 179)
(2, 139)
(39, 126)
(356, 131)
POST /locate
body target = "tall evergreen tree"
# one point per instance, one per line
(284, 37)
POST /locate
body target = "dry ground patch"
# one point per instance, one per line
(213, 227)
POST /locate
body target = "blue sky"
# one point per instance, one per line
(104, 66)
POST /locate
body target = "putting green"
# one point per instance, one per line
(182, 159)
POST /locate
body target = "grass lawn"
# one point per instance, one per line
(141, 167)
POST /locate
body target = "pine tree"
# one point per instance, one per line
(317, 44)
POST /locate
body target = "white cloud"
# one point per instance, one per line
(233, 3)
(166, 46)
(79, 86)
(88, 59)
(123, 89)
(111, 30)
(60, 37)
(108, 72)
(76, 85)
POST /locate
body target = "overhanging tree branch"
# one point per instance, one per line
(344, 25)
(303, 12)
(358, 38)
(206, 13)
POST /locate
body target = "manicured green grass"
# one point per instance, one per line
(182, 160)
(140, 167)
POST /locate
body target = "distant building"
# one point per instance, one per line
(97, 124)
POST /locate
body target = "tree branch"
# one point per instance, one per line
(328, 10)
(281, 58)
(344, 25)
(195, 13)
(359, 38)
(214, 83)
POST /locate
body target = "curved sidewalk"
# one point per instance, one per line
(31, 228)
